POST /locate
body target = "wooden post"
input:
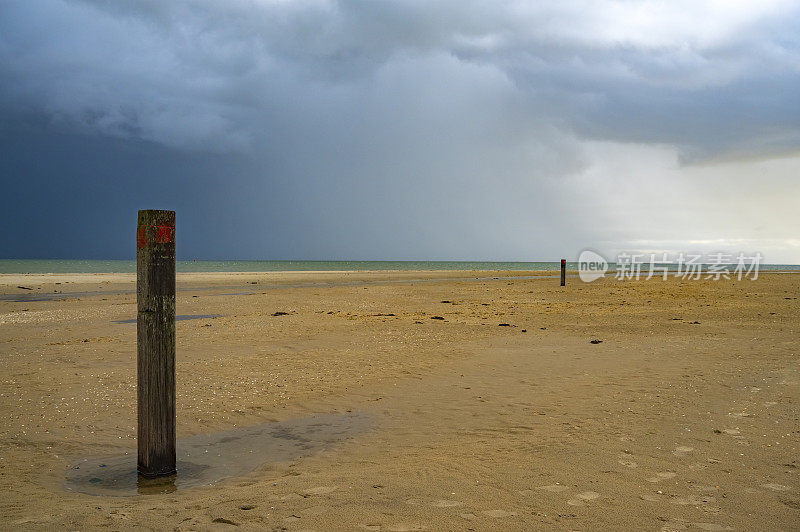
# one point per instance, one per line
(155, 329)
(563, 272)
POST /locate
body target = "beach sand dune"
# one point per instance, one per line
(321, 400)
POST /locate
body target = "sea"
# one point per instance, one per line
(129, 266)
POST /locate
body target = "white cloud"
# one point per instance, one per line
(642, 199)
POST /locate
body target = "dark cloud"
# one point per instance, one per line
(320, 129)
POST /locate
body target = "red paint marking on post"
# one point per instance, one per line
(165, 233)
(141, 238)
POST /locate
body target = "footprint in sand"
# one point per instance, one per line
(693, 500)
(447, 504)
(628, 463)
(407, 527)
(320, 490)
(732, 432)
(791, 503)
(498, 513)
(553, 488)
(313, 511)
(703, 487)
(674, 524)
(396, 528)
(662, 476)
(711, 526)
(682, 450)
(582, 498)
(776, 487)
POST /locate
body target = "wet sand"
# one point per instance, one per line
(356, 409)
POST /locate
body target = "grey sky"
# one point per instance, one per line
(401, 130)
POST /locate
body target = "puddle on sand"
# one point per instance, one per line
(179, 317)
(208, 458)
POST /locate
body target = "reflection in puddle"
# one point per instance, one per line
(179, 317)
(208, 458)
(154, 486)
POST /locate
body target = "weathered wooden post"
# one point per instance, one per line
(155, 330)
(563, 272)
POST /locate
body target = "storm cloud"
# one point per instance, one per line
(401, 130)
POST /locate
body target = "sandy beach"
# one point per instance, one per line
(409, 401)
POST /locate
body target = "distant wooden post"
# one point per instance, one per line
(155, 329)
(563, 272)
